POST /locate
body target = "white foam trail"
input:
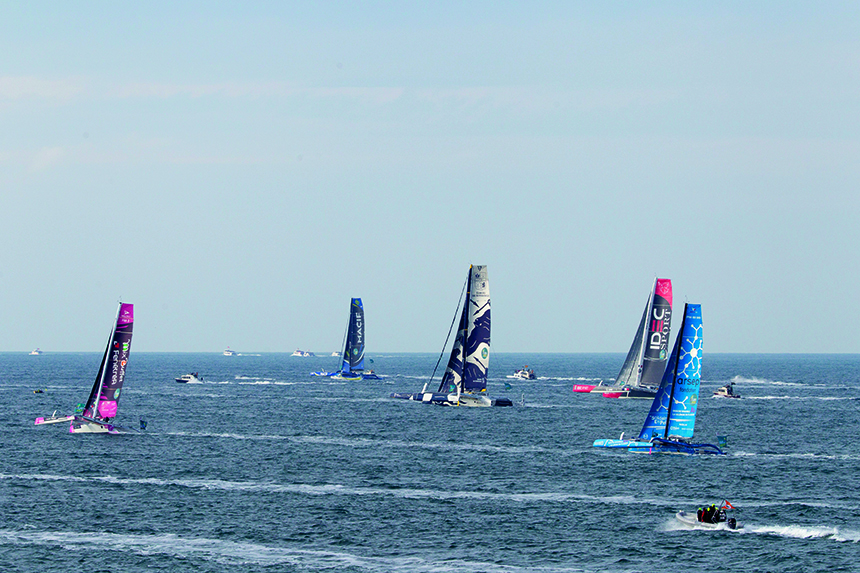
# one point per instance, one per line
(798, 398)
(806, 532)
(339, 489)
(797, 455)
(788, 531)
(371, 443)
(244, 553)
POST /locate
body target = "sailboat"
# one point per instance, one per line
(352, 367)
(95, 417)
(672, 418)
(465, 380)
(643, 367)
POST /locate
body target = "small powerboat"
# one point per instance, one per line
(710, 517)
(525, 373)
(193, 378)
(304, 353)
(229, 352)
(727, 391)
(35, 352)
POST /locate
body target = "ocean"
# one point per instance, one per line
(263, 468)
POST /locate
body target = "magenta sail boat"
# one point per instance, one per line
(97, 415)
(642, 369)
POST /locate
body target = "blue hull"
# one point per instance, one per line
(660, 446)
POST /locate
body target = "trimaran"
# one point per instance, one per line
(672, 418)
(643, 367)
(96, 416)
(465, 380)
(352, 367)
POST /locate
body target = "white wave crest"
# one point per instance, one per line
(807, 532)
(244, 553)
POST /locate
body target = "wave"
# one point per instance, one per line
(797, 455)
(799, 398)
(344, 490)
(744, 380)
(243, 553)
(806, 532)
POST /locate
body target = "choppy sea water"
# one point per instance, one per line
(264, 468)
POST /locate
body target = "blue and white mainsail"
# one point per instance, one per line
(353, 350)
(464, 382)
(673, 411)
(470, 354)
(478, 331)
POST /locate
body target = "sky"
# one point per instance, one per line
(239, 170)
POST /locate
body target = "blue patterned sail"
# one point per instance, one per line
(673, 411)
(353, 351)
(477, 360)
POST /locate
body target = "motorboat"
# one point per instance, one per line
(304, 353)
(711, 517)
(525, 373)
(727, 391)
(35, 352)
(192, 378)
(229, 352)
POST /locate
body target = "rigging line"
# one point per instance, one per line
(456, 316)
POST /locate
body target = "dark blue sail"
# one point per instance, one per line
(353, 351)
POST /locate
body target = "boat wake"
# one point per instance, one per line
(244, 553)
(799, 398)
(807, 532)
(787, 531)
(755, 381)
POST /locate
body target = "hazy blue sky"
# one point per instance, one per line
(238, 171)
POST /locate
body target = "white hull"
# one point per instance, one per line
(91, 428)
(54, 419)
(473, 401)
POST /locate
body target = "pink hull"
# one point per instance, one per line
(583, 387)
(612, 394)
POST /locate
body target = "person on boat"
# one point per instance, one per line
(700, 514)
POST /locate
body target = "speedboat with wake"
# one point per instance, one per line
(727, 391)
(192, 378)
(670, 423)
(97, 415)
(464, 382)
(525, 373)
(710, 517)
